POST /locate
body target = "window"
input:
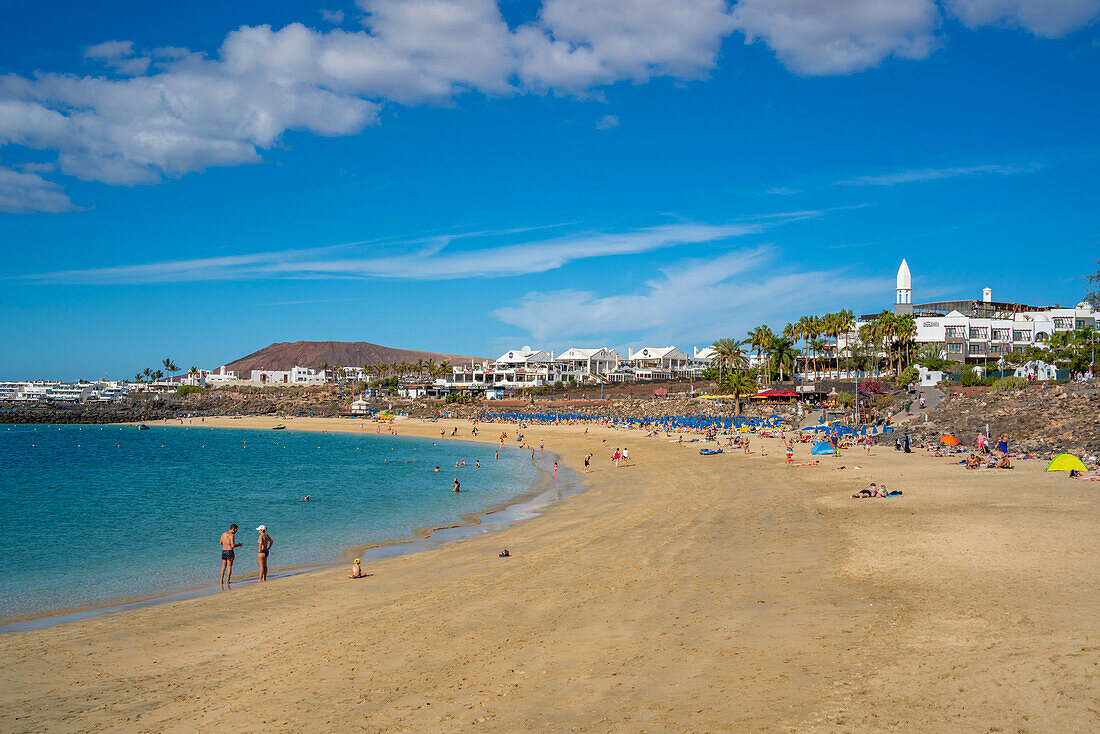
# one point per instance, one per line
(954, 348)
(954, 332)
(1063, 322)
(1021, 336)
(975, 349)
(994, 348)
(1001, 334)
(978, 332)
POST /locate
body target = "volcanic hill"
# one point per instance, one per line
(285, 355)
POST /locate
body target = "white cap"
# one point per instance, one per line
(262, 527)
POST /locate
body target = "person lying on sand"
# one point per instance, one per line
(874, 490)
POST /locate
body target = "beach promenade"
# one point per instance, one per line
(681, 593)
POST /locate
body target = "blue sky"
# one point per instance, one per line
(468, 176)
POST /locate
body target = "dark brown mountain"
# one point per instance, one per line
(285, 355)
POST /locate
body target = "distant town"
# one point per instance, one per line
(936, 339)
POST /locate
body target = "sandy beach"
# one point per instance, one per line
(680, 593)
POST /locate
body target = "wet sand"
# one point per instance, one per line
(680, 593)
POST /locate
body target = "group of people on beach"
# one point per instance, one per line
(228, 543)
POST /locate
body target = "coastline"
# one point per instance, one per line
(496, 516)
(683, 593)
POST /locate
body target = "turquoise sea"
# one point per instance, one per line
(93, 514)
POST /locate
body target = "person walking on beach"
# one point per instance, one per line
(265, 543)
(587, 461)
(626, 456)
(228, 545)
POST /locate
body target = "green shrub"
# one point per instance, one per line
(846, 398)
(970, 378)
(185, 390)
(1009, 383)
(908, 376)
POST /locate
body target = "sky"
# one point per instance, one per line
(199, 180)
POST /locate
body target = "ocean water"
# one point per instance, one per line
(91, 514)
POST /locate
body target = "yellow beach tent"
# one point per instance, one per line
(1066, 462)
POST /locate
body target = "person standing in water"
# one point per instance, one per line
(265, 543)
(228, 545)
(456, 486)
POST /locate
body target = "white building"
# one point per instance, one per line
(986, 330)
(658, 363)
(294, 376)
(221, 377)
(596, 361)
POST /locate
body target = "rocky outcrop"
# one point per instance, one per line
(1037, 419)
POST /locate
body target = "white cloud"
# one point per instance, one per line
(607, 122)
(839, 36)
(934, 174)
(1046, 18)
(336, 17)
(434, 258)
(28, 192)
(577, 43)
(692, 300)
(110, 50)
(173, 111)
(119, 55)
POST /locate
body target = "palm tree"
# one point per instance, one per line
(740, 382)
(906, 329)
(324, 370)
(148, 374)
(728, 353)
(886, 327)
(169, 366)
(193, 372)
(137, 377)
(759, 339)
(783, 354)
(791, 334)
(157, 375)
(845, 324)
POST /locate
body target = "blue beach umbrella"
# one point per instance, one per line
(821, 448)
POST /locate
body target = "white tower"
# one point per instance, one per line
(904, 302)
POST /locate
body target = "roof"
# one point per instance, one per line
(588, 353)
(904, 279)
(658, 353)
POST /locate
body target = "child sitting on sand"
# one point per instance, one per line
(356, 570)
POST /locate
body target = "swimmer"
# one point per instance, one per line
(436, 469)
(304, 499)
(477, 464)
(456, 486)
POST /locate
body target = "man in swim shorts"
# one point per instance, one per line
(265, 543)
(228, 545)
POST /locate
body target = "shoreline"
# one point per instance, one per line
(684, 593)
(497, 516)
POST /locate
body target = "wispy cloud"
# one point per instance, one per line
(431, 258)
(607, 122)
(693, 300)
(934, 174)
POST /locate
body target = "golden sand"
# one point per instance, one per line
(682, 593)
